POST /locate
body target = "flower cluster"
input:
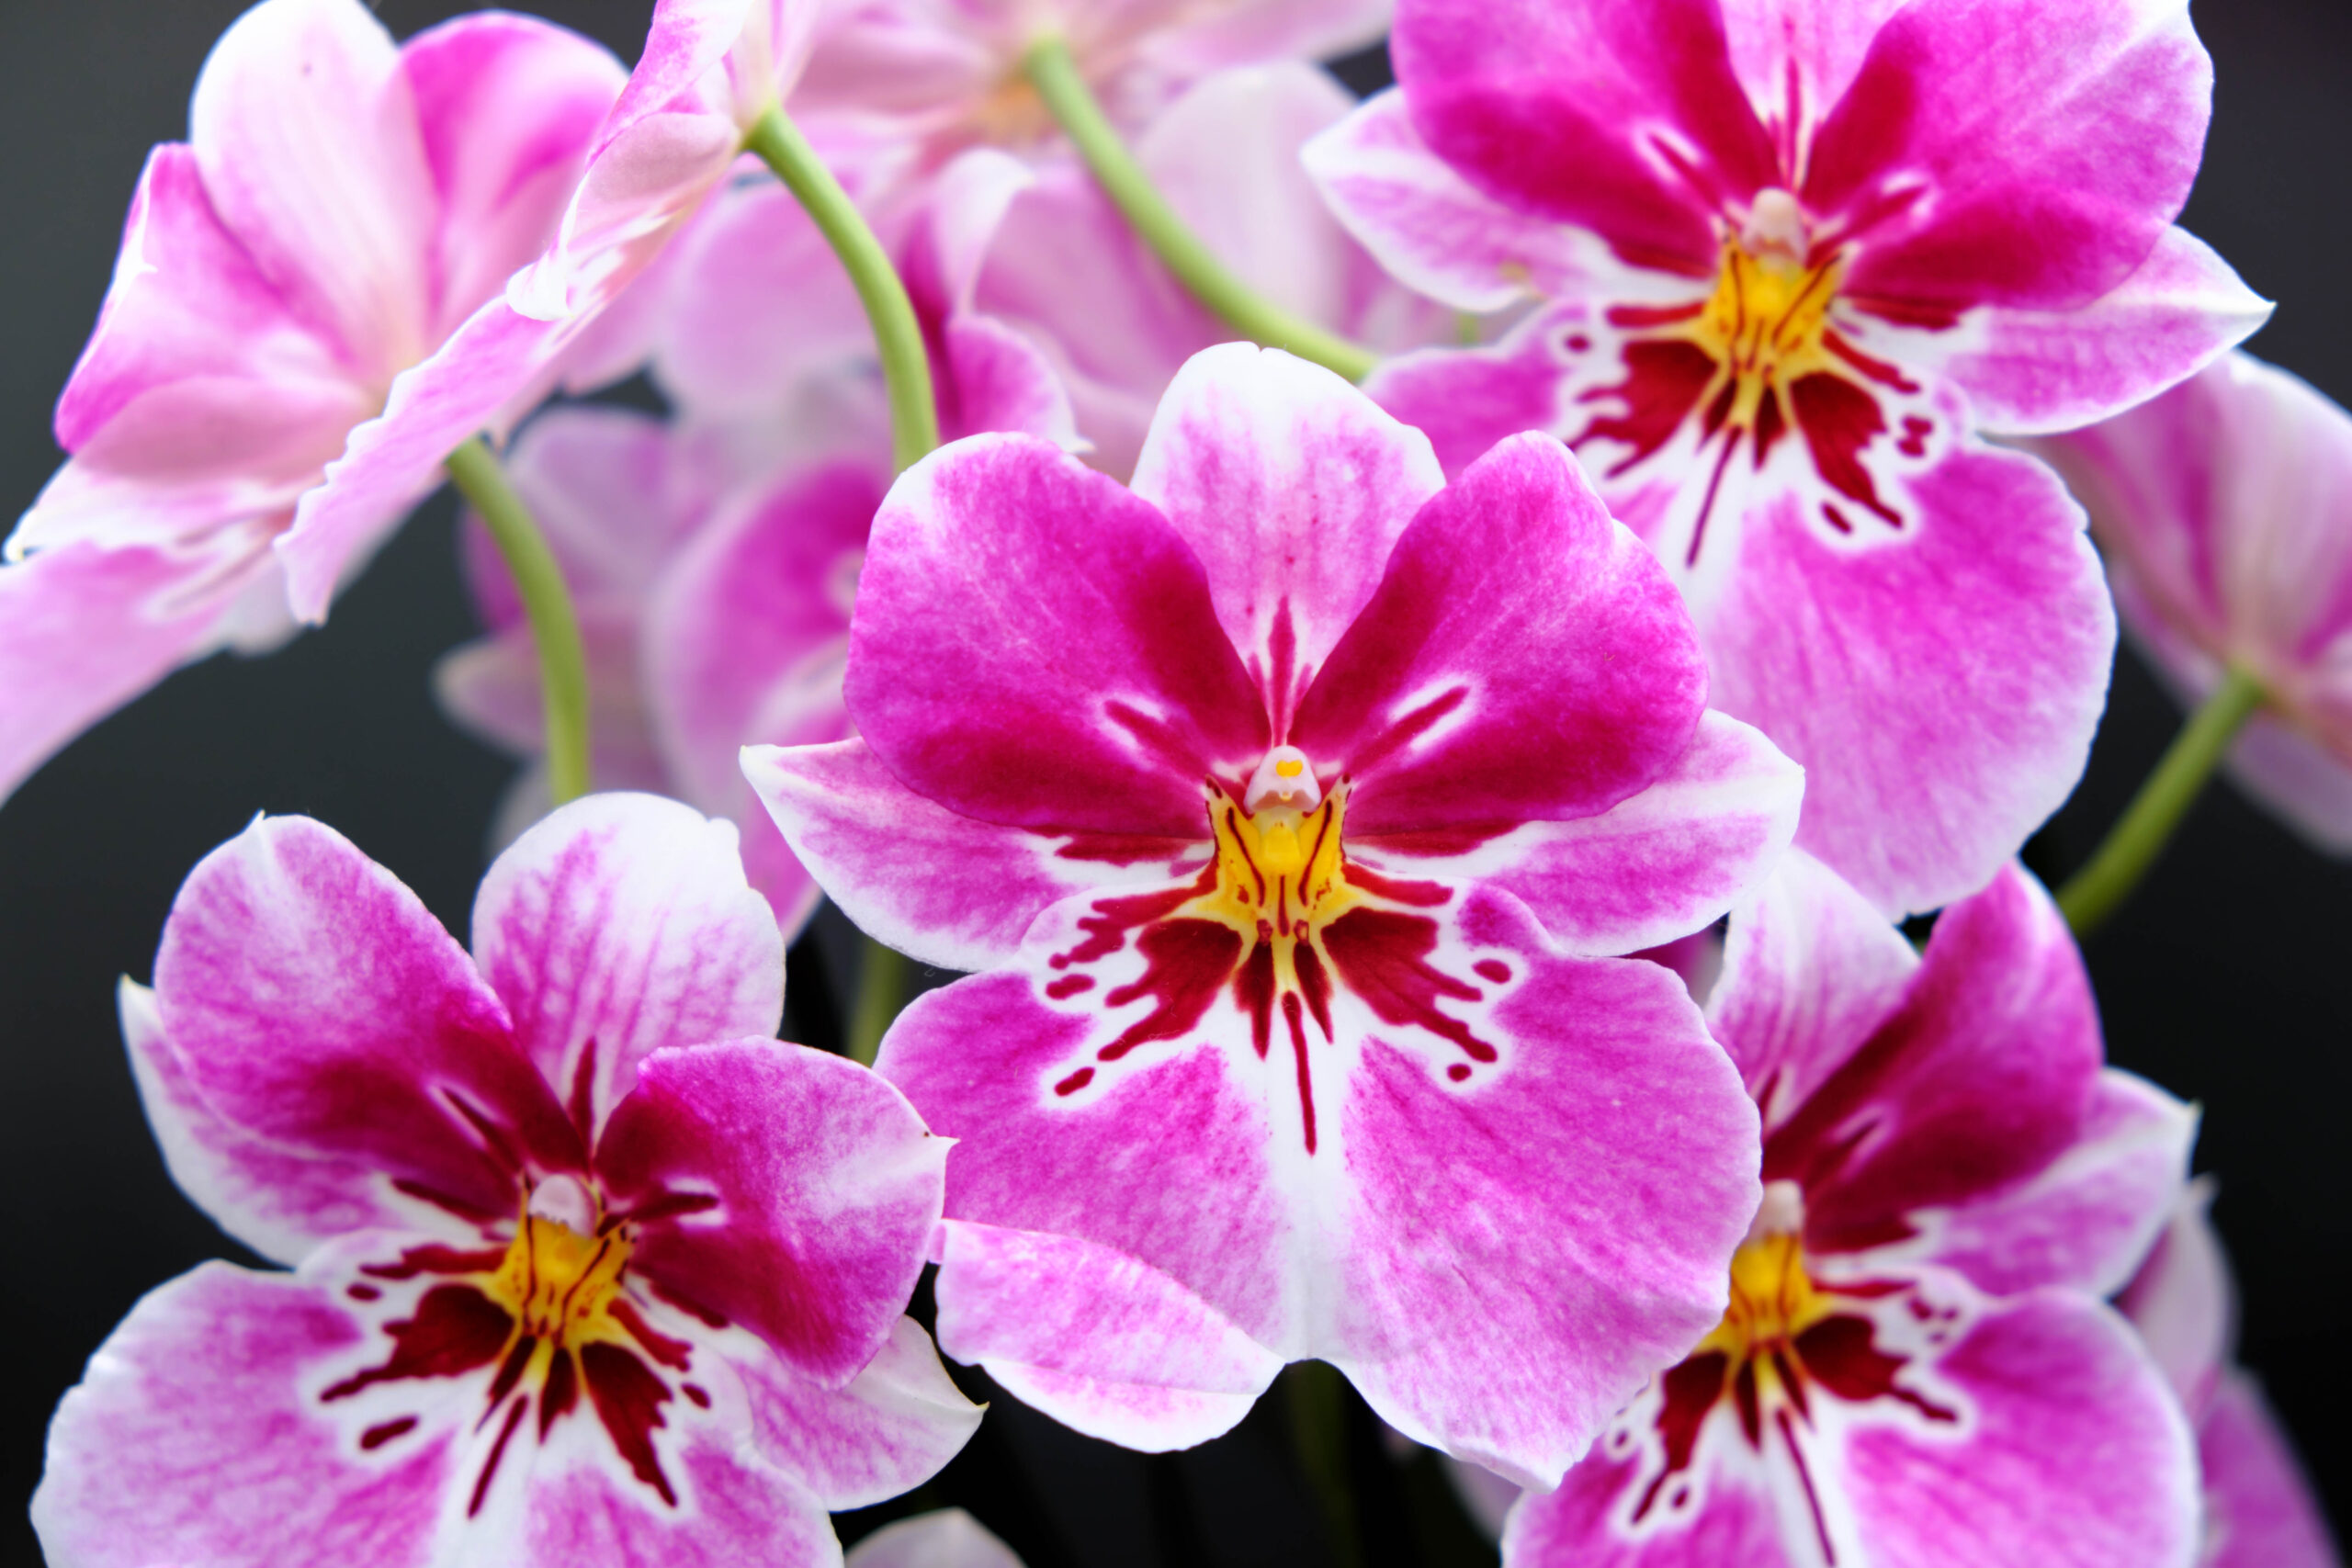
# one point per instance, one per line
(1421, 799)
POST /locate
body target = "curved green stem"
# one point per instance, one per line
(906, 368)
(1059, 81)
(546, 602)
(2140, 835)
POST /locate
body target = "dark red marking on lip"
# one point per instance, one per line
(1253, 987)
(436, 1258)
(1749, 1403)
(1315, 983)
(1689, 1392)
(1878, 370)
(1578, 342)
(1838, 419)
(510, 1371)
(457, 1330)
(1804, 1475)
(1075, 1082)
(1068, 985)
(686, 1303)
(362, 1292)
(1915, 431)
(1707, 502)
(629, 1399)
(1125, 848)
(375, 1438)
(1459, 1072)
(1290, 1011)
(673, 1353)
(1420, 894)
(1493, 969)
(1663, 381)
(1383, 956)
(1429, 844)
(1770, 425)
(1106, 927)
(1639, 316)
(561, 1393)
(1907, 312)
(1840, 1353)
(497, 1452)
(693, 1393)
(664, 1206)
(582, 1105)
(446, 1203)
(1186, 963)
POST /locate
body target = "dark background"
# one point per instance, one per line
(2224, 980)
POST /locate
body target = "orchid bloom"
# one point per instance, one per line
(1916, 1364)
(306, 318)
(915, 81)
(2224, 508)
(587, 1265)
(1789, 257)
(2259, 1512)
(1293, 801)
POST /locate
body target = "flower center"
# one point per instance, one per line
(558, 1285)
(1767, 325)
(1773, 1302)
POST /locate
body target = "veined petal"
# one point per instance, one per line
(951, 890)
(949, 1538)
(1796, 58)
(2259, 1511)
(1034, 645)
(2184, 1302)
(1523, 657)
(1650, 869)
(618, 926)
(779, 1188)
(315, 1003)
(306, 131)
(885, 1433)
(1291, 488)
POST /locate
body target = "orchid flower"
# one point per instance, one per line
(2224, 508)
(1293, 802)
(306, 318)
(1917, 1367)
(1789, 257)
(587, 1265)
(2259, 1512)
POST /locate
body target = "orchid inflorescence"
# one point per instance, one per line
(1425, 797)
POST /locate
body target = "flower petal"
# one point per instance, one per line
(886, 1433)
(827, 1189)
(2184, 1302)
(949, 1538)
(2259, 1510)
(1467, 400)
(1291, 488)
(619, 926)
(1036, 646)
(953, 891)
(1650, 869)
(315, 1003)
(1523, 656)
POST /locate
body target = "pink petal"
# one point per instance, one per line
(315, 1003)
(1522, 657)
(1036, 646)
(2184, 1302)
(2055, 151)
(619, 926)
(996, 379)
(1096, 1338)
(952, 890)
(827, 1187)
(1468, 400)
(1291, 488)
(490, 687)
(2259, 1510)
(1197, 41)
(1651, 869)
(306, 131)
(1555, 109)
(1797, 57)
(886, 1433)
(947, 1539)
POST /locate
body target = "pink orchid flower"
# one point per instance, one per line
(1293, 801)
(2225, 511)
(307, 317)
(588, 1266)
(1789, 256)
(2259, 1512)
(1917, 1365)
(913, 83)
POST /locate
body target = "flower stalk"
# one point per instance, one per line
(546, 602)
(1319, 1425)
(1055, 74)
(2140, 835)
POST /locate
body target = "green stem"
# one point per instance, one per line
(906, 368)
(1057, 77)
(546, 602)
(1318, 1428)
(881, 992)
(2146, 826)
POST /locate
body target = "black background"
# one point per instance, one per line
(2225, 980)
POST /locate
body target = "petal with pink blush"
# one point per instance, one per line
(1095, 1337)
(306, 132)
(1796, 58)
(951, 890)
(1291, 488)
(1649, 870)
(280, 1203)
(997, 379)
(885, 1433)
(2259, 1510)
(780, 1188)
(1035, 645)
(2184, 1302)
(947, 1539)
(1467, 401)
(315, 1003)
(1202, 42)
(618, 926)
(2057, 151)
(1523, 656)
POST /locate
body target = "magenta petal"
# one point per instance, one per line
(1468, 400)
(1096, 1338)
(620, 925)
(1524, 657)
(2259, 1511)
(192, 1439)
(315, 1003)
(827, 1187)
(885, 1433)
(1291, 488)
(1034, 645)
(1651, 869)
(998, 379)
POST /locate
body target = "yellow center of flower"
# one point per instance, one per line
(1766, 325)
(560, 1286)
(1280, 873)
(1773, 1299)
